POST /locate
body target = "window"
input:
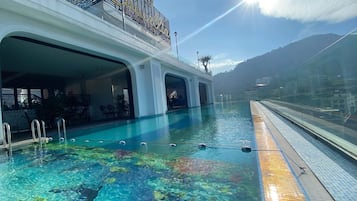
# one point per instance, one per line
(8, 98)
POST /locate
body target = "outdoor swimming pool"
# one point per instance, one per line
(156, 158)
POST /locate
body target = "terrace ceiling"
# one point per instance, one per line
(21, 57)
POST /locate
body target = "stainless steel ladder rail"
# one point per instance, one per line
(63, 122)
(7, 137)
(36, 123)
(44, 130)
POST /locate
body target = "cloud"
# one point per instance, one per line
(218, 66)
(223, 63)
(310, 10)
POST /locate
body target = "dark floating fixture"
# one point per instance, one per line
(202, 146)
(246, 149)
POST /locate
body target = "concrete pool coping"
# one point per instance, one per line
(285, 175)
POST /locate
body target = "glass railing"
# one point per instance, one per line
(321, 94)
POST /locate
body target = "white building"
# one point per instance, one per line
(92, 61)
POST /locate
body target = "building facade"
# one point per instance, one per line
(60, 60)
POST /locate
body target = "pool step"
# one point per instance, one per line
(23, 143)
(35, 126)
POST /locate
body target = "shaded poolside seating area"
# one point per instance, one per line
(19, 112)
(109, 111)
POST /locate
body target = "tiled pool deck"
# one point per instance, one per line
(302, 168)
(277, 179)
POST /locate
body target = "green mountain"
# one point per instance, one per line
(276, 68)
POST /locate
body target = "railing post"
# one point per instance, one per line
(61, 120)
(7, 137)
(43, 129)
(36, 123)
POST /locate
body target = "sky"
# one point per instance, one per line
(232, 31)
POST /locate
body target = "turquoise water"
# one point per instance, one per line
(160, 160)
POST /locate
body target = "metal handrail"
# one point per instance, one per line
(36, 123)
(44, 129)
(7, 137)
(60, 138)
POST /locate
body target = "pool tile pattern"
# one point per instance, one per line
(278, 181)
(338, 182)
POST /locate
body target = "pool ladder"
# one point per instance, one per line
(36, 126)
(62, 138)
(6, 130)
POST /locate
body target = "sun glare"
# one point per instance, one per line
(250, 2)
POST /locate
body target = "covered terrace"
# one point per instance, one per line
(47, 80)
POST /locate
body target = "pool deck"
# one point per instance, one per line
(285, 175)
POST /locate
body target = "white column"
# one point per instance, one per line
(150, 89)
(158, 87)
(210, 93)
(195, 92)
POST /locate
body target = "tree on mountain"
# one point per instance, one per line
(205, 61)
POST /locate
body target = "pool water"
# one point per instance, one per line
(156, 158)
